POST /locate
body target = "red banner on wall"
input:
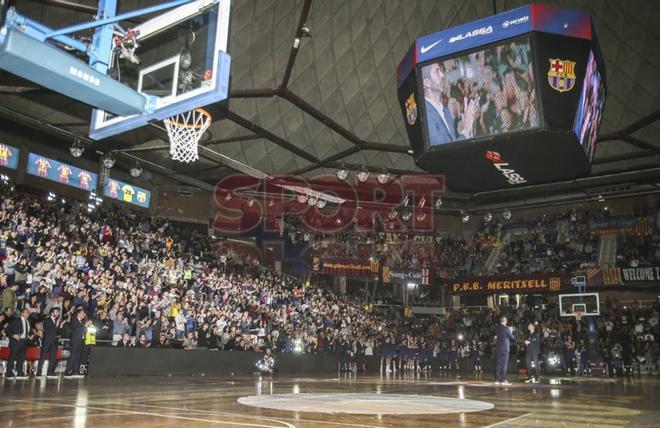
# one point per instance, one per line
(511, 284)
(346, 267)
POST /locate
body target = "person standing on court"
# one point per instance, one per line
(49, 342)
(533, 343)
(19, 333)
(504, 338)
(77, 342)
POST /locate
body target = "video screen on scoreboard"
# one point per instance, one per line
(590, 108)
(483, 93)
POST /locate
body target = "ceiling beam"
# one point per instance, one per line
(296, 45)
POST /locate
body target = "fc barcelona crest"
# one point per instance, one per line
(561, 75)
(411, 109)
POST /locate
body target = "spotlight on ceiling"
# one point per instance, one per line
(76, 149)
(383, 177)
(136, 170)
(108, 161)
(342, 173)
(363, 175)
(438, 203)
(302, 198)
(488, 217)
(506, 215)
(321, 203)
(465, 217)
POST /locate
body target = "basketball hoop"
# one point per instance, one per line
(185, 130)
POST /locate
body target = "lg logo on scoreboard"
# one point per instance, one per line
(509, 173)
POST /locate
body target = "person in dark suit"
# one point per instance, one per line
(533, 343)
(49, 342)
(19, 334)
(441, 124)
(77, 342)
(504, 338)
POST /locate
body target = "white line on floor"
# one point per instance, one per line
(508, 420)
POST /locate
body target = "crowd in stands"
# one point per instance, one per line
(147, 282)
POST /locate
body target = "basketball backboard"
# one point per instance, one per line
(582, 305)
(180, 58)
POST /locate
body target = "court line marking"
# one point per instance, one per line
(508, 420)
(161, 415)
(281, 420)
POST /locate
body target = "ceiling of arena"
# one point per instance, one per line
(334, 100)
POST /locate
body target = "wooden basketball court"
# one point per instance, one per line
(355, 401)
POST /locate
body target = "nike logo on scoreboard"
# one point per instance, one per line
(425, 49)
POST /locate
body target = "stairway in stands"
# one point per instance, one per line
(607, 250)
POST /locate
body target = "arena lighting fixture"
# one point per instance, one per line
(465, 217)
(51, 197)
(460, 337)
(311, 202)
(302, 198)
(383, 177)
(321, 203)
(108, 161)
(506, 215)
(136, 170)
(76, 149)
(342, 173)
(4, 178)
(363, 175)
(438, 203)
(488, 217)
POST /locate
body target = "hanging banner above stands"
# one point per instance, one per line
(62, 173)
(9, 156)
(405, 276)
(597, 277)
(512, 284)
(125, 192)
(346, 267)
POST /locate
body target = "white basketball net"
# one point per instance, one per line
(185, 130)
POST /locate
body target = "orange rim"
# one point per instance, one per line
(170, 121)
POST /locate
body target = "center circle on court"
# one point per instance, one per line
(365, 404)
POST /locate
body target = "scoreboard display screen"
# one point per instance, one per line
(487, 92)
(509, 100)
(590, 108)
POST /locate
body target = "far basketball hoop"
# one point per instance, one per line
(184, 131)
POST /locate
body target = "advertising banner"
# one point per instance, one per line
(405, 276)
(62, 173)
(346, 267)
(511, 284)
